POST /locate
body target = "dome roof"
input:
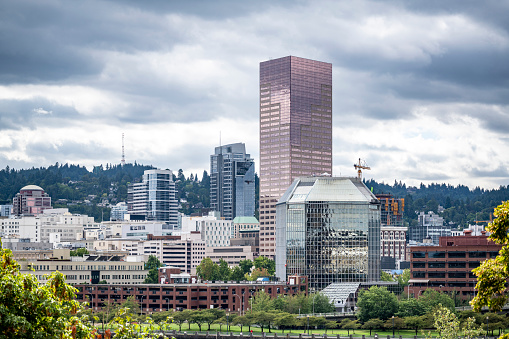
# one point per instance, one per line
(31, 188)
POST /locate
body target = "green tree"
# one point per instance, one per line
(209, 317)
(373, 324)
(198, 317)
(384, 276)
(208, 270)
(492, 273)
(415, 322)
(284, 320)
(410, 307)
(377, 302)
(152, 265)
(431, 299)
(257, 273)
(30, 310)
(237, 274)
(224, 271)
(79, 252)
(268, 264)
(321, 303)
(246, 265)
(261, 301)
(403, 279)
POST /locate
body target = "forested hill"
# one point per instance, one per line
(462, 205)
(80, 190)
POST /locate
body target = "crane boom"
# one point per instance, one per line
(360, 166)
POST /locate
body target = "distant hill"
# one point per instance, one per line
(82, 191)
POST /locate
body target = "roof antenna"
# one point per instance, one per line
(122, 162)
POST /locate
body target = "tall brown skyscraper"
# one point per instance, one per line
(295, 132)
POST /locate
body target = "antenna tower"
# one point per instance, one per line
(122, 162)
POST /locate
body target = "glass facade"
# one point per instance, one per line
(232, 182)
(154, 197)
(323, 234)
(295, 131)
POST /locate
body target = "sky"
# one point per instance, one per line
(420, 88)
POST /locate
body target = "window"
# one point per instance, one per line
(419, 274)
(418, 265)
(477, 254)
(457, 265)
(436, 254)
(436, 265)
(456, 254)
(418, 255)
(457, 275)
(436, 275)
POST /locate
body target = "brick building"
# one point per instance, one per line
(160, 297)
(448, 267)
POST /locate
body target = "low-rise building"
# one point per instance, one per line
(448, 267)
(205, 295)
(91, 269)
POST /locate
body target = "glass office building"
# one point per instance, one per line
(328, 229)
(295, 131)
(232, 181)
(154, 198)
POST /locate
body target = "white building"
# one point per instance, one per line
(393, 242)
(118, 211)
(214, 230)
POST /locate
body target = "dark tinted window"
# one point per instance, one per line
(436, 265)
(477, 254)
(419, 265)
(457, 275)
(419, 274)
(436, 275)
(456, 254)
(457, 265)
(418, 254)
(436, 254)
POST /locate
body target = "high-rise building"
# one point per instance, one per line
(232, 181)
(31, 200)
(295, 131)
(154, 197)
(328, 229)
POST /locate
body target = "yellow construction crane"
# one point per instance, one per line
(360, 166)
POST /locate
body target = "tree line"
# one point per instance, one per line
(263, 267)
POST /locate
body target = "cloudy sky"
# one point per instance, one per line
(420, 88)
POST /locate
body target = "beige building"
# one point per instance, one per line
(113, 269)
(393, 242)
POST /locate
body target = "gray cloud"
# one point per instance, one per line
(162, 62)
(33, 113)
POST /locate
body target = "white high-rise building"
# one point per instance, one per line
(154, 198)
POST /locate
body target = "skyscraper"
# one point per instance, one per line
(295, 131)
(232, 181)
(154, 197)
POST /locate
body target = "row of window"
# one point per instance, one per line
(456, 254)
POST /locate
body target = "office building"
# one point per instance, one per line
(392, 210)
(448, 266)
(154, 198)
(31, 200)
(118, 211)
(212, 229)
(328, 229)
(393, 242)
(5, 210)
(295, 132)
(232, 181)
(430, 228)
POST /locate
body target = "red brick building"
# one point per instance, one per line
(448, 267)
(160, 297)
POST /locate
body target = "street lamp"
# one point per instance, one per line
(308, 324)
(227, 322)
(241, 302)
(487, 326)
(393, 326)
(141, 304)
(168, 304)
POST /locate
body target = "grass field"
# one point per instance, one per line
(257, 330)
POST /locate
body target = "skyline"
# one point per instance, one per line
(420, 89)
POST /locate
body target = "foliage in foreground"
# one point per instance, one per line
(28, 310)
(492, 273)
